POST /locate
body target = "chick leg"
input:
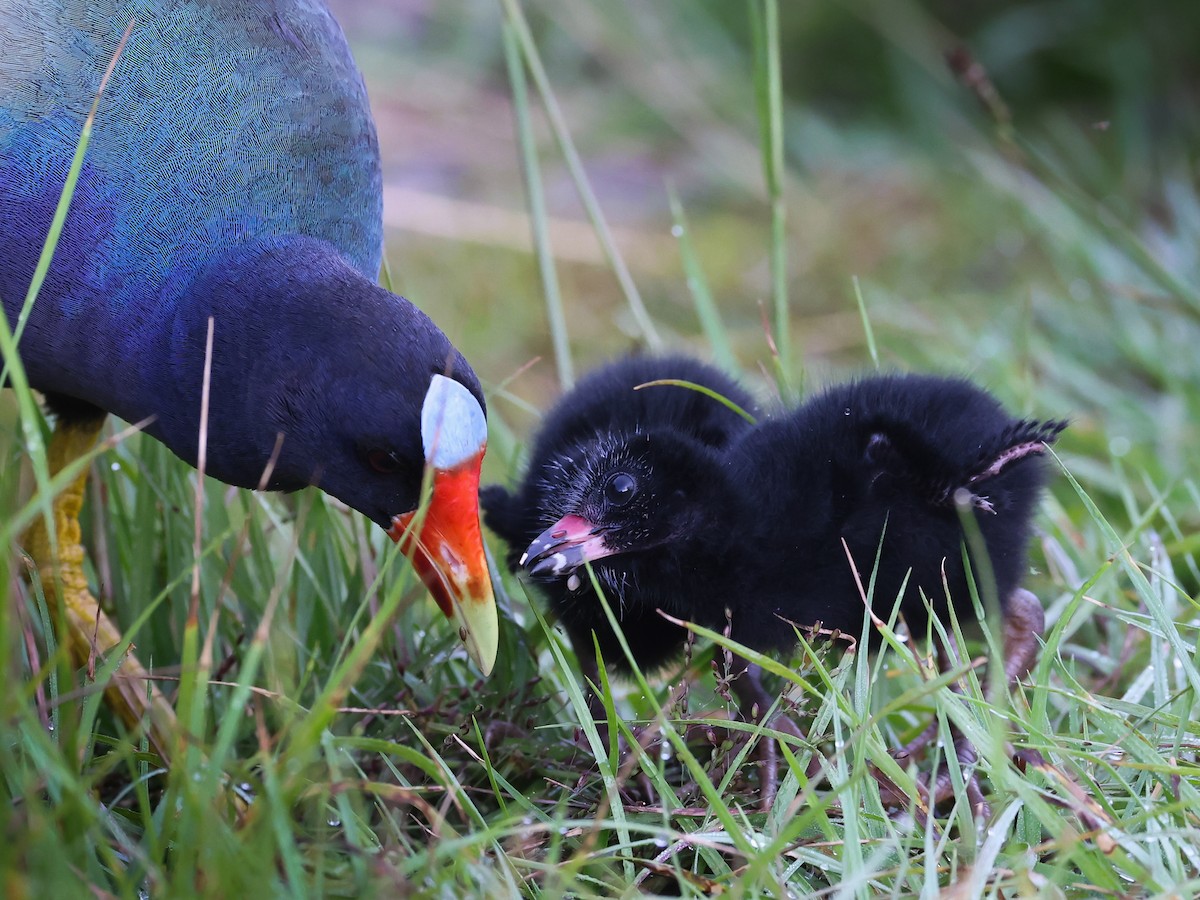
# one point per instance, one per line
(754, 701)
(58, 559)
(947, 656)
(1024, 623)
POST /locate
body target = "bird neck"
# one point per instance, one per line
(283, 313)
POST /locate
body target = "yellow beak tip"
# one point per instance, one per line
(479, 628)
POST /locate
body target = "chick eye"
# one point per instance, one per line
(383, 461)
(620, 489)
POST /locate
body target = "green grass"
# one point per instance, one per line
(342, 745)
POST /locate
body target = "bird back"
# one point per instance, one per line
(223, 123)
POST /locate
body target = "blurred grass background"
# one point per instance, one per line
(979, 245)
(1042, 239)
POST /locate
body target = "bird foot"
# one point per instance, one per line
(754, 701)
(1024, 623)
(767, 754)
(636, 786)
(57, 561)
(934, 790)
(726, 745)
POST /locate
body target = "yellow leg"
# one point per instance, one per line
(90, 633)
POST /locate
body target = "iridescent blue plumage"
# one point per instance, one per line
(233, 171)
(208, 104)
(231, 182)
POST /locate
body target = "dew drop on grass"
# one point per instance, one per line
(333, 822)
(677, 231)
(660, 843)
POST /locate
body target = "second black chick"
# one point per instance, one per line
(624, 479)
(884, 471)
(889, 465)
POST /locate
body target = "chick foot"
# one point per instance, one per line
(1024, 623)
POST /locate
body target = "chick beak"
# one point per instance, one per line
(564, 547)
(443, 539)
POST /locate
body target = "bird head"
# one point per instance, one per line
(645, 500)
(422, 487)
(359, 394)
(442, 536)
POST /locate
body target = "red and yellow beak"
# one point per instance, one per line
(443, 539)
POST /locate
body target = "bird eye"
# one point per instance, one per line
(383, 461)
(620, 489)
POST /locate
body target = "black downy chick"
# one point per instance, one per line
(890, 465)
(628, 480)
(886, 469)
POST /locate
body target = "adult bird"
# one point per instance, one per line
(232, 181)
(618, 476)
(859, 495)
